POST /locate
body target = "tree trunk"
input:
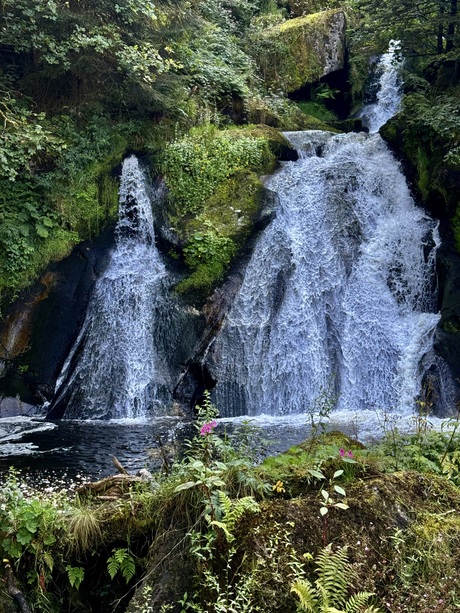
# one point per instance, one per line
(452, 24)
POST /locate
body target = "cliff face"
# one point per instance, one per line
(304, 49)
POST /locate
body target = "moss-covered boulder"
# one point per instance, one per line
(304, 49)
(216, 196)
(401, 531)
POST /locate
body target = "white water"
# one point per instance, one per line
(336, 306)
(389, 93)
(114, 369)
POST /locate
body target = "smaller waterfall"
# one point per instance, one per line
(389, 92)
(116, 368)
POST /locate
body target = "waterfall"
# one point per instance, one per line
(389, 92)
(337, 300)
(117, 367)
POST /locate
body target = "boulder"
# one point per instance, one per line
(304, 49)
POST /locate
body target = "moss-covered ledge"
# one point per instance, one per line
(304, 49)
(216, 196)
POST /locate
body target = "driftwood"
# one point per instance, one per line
(121, 469)
(13, 591)
(113, 487)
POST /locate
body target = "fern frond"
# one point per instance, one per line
(120, 555)
(356, 602)
(372, 609)
(112, 567)
(128, 568)
(334, 573)
(304, 590)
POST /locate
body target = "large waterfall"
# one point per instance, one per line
(337, 300)
(117, 367)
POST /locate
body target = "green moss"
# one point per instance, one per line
(216, 195)
(317, 111)
(297, 52)
(222, 227)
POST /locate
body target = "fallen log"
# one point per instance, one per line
(13, 591)
(115, 486)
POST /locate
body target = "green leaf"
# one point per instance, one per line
(323, 511)
(42, 231)
(337, 473)
(49, 539)
(316, 473)
(341, 505)
(325, 494)
(76, 575)
(339, 490)
(185, 486)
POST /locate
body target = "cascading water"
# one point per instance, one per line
(116, 368)
(389, 93)
(337, 298)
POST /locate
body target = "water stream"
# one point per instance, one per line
(117, 367)
(336, 305)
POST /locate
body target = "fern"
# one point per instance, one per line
(233, 510)
(306, 594)
(121, 561)
(334, 575)
(329, 592)
(76, 575)
(356, 603)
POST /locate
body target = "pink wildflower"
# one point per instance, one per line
(208, 427)
(349, 454)
(342, 452)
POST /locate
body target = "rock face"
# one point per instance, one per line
(40, 327)
(304, 49)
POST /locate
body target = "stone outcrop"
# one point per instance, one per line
(304, 49)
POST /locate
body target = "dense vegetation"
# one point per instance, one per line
(82, 82)
(329, 523)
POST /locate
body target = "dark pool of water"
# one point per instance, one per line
(68, 450)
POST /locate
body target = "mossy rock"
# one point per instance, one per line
(294, 466)
(216, 197)
(397, 525)
(304, 49)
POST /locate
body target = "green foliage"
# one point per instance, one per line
(206, 247)
(121, 562)
(318, 110)
(27, 138)
(329, 593)
(26, 524)
(76, 574)
(25, 221)
(196, 165)
(425, 28)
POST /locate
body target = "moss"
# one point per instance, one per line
(304, 49)
(317, 111)
(229, 214)
(393, 522)
(216, 196)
